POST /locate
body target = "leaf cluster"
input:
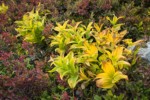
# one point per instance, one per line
(31, 27)
(90, 53)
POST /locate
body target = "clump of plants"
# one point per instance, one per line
(31, 26)
(20, 75)
(91, 53)
(96, 61)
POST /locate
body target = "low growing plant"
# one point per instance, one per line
(31, 26)
(88, 53)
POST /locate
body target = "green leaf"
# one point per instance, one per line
(72, 81)
(96, 97)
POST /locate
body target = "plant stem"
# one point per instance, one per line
(73, 93)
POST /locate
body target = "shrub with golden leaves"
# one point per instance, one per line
(87, 53)
(31, 26)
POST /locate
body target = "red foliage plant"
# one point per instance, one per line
(17, 82)
(83, 7)
(65, 96)
(107, 5)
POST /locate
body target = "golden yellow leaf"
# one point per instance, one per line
(109, 77)
(108, 68)
(82, 75)
(90, 49)
(117, 52)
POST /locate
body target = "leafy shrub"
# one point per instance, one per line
(15, 12)
(31, 27)
(92, 52)
(20, 76)
(84, 10)
(88, 49)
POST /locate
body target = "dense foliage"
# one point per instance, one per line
(73, 49)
